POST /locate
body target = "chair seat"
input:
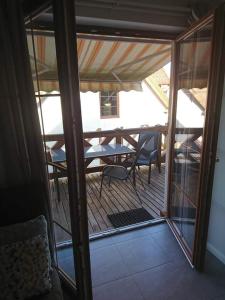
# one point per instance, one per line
(141, 162)
(115, 171)
(122, 172)
(144, 161)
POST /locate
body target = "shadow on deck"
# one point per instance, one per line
(117, 198)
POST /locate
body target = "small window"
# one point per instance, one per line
(109, 104)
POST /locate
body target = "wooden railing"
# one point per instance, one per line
(128, 137)
(119, 136)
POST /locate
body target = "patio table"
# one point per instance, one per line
(96, 151)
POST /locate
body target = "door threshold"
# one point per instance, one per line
(124, 229)
(116, 231)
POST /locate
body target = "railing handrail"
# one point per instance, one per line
(104, 133)
(129, 136)
(120, 132)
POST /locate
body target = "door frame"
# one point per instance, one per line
(64, 13)
(66, 49)
(210, 134)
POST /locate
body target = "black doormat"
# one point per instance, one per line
(129, 217)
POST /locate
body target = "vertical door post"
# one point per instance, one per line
(66, 50)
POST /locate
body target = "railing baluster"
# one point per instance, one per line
(106, 136)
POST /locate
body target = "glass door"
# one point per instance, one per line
(193, 106)
(51, 38)
(192, 70)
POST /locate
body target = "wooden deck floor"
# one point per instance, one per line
(117, 198)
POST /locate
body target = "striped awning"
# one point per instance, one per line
(104, 64)
(194, 64)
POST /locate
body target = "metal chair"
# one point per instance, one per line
(151, 151)
(123, 173)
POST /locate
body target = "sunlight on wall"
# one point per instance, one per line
(136, 109)
(167, 68)
(188, 113)
(52, 115)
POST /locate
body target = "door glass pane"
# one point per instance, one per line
(42, 51)
(192, 83)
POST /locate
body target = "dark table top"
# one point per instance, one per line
(96, 151)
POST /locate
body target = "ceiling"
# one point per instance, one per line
(162, 16)
(168, 16)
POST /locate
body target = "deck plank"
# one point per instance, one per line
(119, 197)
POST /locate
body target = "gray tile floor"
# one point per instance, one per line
(148, 264)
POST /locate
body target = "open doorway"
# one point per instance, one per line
(45, 74)
(116, 110)
(124, 91)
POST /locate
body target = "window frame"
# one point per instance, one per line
(117, 107)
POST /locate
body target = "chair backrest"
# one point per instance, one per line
(140, 151)
(152, 144)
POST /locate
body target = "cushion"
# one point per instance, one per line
(56, 291)
(23, 231)
(25, 260)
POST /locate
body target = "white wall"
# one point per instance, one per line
(136, 109)
(188, 113)
(216, 236)
(52, 115)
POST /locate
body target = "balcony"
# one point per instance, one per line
(116, 198)
(119, 196)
